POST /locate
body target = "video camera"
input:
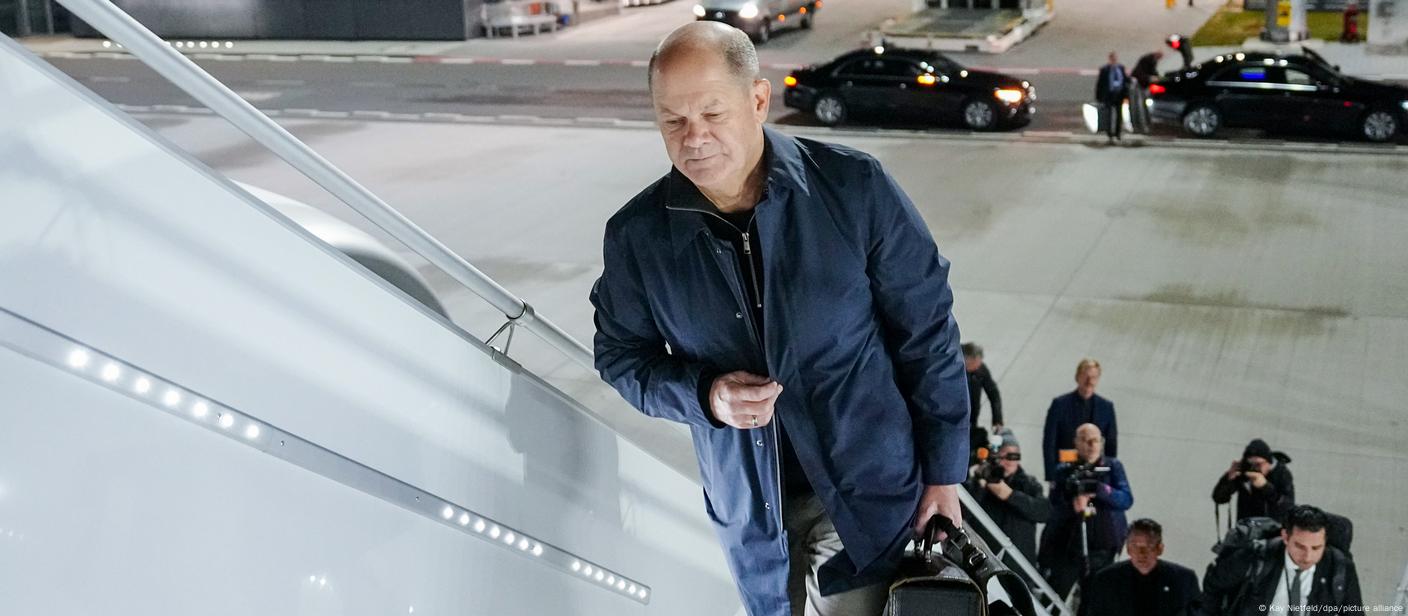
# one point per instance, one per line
(1084, 477)
(990, 467)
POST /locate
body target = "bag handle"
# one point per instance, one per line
(960, 548)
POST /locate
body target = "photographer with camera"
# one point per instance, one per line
(1089, 497)
(1011, 497)
(1263, 484)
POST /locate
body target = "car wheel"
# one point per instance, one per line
(807, 20)
(1202, 121)
(1379, 126)
(764, 33)
(830, 110)
(979, 115)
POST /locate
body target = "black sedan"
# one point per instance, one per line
(1294, 92)
(908, 85)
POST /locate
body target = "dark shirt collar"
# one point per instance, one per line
(782, 158)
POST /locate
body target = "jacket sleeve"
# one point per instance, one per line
(1029, 502)
(1280, 492)
(1117, 493)
(1222, 492)
(1101, 78)
(631, 353)
(994, 396)
(1049, 448)
(1353, 599)
(1112, 436)
(909, 283)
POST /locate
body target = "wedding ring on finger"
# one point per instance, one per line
(755, 421)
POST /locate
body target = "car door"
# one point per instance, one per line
(870, 85)
(1247, 95)
(1324, 106)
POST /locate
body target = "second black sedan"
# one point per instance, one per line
(909, 85)
(1284, 92)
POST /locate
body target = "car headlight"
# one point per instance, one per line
(699, 10)
(1404, 105)
(1011, 97)
(748, 11)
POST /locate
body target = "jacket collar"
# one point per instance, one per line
(785, 169)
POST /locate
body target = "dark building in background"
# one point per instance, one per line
(449, 20)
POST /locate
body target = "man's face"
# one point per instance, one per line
(971, 364)
(1259, 464)
(1144, 551)
(1009, 467)
(1113, 59)
(1304, 547)
(1088, 445)
(712, 121)
(1086, 381)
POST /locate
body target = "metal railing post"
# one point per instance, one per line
(185, 74)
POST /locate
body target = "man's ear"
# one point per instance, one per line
(762, 98)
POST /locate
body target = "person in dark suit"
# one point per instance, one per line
(1110, 89)
(980, 382)
(1068, 412)
(1145, 584)
(1296, 573)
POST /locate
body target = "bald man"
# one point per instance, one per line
(783, 298)
(1092, 492)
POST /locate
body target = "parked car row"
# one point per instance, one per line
(759, 18)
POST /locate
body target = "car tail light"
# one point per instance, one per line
(1155, 88)
(789, 81)
(816, 4)
(803, 10)
(927, 79)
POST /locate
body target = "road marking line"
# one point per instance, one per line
(640, 63)
(370, 114)
(106, 79)
(397, 60)
(368, 58)
(518, 118)
(441, 116)
(342, 59)
(582, 63)
(517, 62)
(457, 60)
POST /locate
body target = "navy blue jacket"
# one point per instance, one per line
(858, 329)
(1062, 419)
(1107, 530)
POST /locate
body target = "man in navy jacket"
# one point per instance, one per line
(1070, 411)
(784, 299)
(1067, 555)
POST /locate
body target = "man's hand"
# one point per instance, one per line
(1000, 489)
(743, 400)
(1234, 470)
(938, 500)
(1081, 503)
(1258, 479)
(997, 428)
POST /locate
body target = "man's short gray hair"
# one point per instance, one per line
(733, 45)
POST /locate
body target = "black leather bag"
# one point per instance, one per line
(962, 579)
